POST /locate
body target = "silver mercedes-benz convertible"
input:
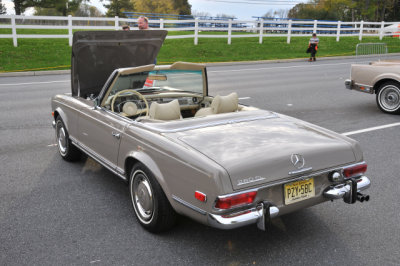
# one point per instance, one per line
(185, 152)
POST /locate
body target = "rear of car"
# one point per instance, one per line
(275, 165)
(381, 78)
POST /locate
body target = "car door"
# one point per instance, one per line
(100, 132)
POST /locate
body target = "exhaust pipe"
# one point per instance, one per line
(361, 197)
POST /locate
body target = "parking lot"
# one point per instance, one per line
(57, 213)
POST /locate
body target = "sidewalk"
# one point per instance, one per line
(61, 72)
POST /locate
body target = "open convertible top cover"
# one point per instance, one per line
(96, 54)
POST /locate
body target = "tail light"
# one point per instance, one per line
(355, 170)
(236, 200)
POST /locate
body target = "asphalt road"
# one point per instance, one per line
(57, 213)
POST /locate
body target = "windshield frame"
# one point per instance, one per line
(112, 81)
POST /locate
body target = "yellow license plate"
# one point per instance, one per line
(299, 190)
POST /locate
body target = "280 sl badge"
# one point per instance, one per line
(250, 180)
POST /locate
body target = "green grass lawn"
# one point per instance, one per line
(44, 54)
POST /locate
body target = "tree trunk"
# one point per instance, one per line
(17, 7)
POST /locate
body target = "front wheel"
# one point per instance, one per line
(151, 206)
(66, 149)
(388, 97)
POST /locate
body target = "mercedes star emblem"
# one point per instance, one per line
(297, 160)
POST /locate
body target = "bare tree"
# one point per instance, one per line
(197, 14)
(281, 13)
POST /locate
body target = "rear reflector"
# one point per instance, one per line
(236, 200)
(355, 170)
(200, 196)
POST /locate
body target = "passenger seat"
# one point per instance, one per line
(220, 104)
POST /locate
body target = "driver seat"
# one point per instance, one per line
(165, 111)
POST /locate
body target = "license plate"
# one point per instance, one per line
(299, 190)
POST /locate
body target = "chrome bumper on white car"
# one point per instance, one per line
(264, 211)
(351, 85)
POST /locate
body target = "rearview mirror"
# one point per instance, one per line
(157, 77)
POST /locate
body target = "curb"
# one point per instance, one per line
(35, 73)
(62, 72)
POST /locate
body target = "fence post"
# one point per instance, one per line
(361, 29)
(382, 28)
(315, 26)
(70, 29)
(230, 31)
(14, 30)
(261, 31)
(289, 31)
(196, 31)
(339, 23)
(161, 23)
(116, 23)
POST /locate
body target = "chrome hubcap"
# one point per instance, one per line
(142, 197)
(390, 98)
(61, 139)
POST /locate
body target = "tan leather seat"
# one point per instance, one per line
(165, 111)
(220, 104)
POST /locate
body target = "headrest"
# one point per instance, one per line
(225, 104)
(130, 109)
(165, 111)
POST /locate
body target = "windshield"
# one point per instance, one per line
(159, 81)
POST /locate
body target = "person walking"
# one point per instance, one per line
(313, 46)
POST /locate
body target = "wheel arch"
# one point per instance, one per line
(58, 112)
(150, 164)
(382, 81)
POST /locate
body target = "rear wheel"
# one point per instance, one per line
(151, 206)
(66, 149)
(388, 97)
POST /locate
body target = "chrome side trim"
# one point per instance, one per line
(187, 204)
(101, 160)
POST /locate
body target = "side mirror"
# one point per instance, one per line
(96, 103)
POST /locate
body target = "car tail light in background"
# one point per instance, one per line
(236, 200)
(355, 170)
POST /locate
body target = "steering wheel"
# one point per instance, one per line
(134, 92)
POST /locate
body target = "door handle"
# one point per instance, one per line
(116, 135)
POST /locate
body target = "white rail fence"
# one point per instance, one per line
(197, 28)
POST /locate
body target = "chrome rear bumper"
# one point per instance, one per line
(339, 191)
(264, 211)
(351, 85)
(260, 214)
